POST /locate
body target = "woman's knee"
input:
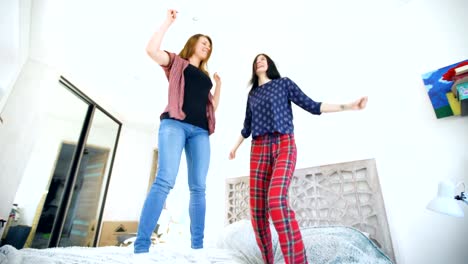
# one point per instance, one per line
(277, 205)
(165, 178)
(197, 189)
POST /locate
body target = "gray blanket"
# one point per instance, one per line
(333, 245)
(324, 245)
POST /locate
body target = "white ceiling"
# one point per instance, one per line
(100, 45)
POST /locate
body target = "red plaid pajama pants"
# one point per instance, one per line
(272, 163)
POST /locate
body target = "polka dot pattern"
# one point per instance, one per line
(269, 108)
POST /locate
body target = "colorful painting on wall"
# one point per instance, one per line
(446, 88)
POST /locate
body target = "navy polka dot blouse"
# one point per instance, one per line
(269, 108)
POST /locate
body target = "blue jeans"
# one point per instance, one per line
(174, 136)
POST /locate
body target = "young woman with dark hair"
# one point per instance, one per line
(268, 119)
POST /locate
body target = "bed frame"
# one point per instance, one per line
(342, 194)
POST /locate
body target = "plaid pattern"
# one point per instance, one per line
(272, 163)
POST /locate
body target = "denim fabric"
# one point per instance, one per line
(174, 136)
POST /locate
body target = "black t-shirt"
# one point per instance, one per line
(197, 87)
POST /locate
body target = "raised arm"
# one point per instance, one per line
(153, 49)
(359, 104)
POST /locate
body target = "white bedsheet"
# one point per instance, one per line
(161, 253)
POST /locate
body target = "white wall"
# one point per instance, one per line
(15, 17)
(17, 139)
(346, 52)
(381, 55)
(130, 175)
(426, 35)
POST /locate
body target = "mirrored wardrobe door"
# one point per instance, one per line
(83, 216)
(63, 190)
(41, 190)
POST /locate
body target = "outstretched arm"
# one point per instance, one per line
(153, 49)
(359, 104)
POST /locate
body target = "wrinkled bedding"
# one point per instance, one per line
(330, 245)
(160, 253)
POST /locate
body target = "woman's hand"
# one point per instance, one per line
(232, 154)
(359, 104)
(217, 79)
(171, 15)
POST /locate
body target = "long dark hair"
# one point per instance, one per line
(189, 50)
(272, 73)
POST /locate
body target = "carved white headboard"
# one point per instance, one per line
(342, 194)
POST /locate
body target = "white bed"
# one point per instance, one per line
(343, 199)
(339, 207)
(159, 254)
